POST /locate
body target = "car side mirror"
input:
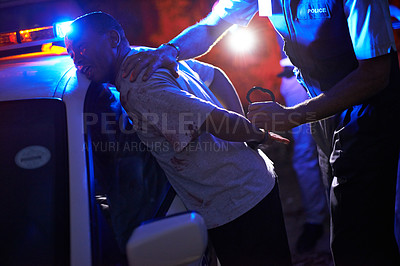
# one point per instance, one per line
(174, 240)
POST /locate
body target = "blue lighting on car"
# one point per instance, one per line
(62, 28)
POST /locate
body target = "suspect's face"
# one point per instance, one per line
(92, 54)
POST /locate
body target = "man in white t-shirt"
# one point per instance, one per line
(345, 56)
(203, 148)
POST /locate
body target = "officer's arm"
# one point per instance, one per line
(371, 76)
(191, 43)
(199, 38)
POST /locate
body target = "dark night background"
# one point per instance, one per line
(151, 23)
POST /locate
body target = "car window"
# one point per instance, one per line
(34, 176)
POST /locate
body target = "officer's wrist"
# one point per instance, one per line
(172, 47)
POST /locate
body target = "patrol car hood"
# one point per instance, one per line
(32, 76)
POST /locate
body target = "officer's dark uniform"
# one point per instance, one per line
(360, 143)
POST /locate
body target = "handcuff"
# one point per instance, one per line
(256, 144)
(255, 88)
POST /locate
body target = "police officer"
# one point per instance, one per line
(344, 54)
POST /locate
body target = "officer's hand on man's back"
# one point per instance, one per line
(149, 61)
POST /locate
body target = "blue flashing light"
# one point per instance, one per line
(62, 28)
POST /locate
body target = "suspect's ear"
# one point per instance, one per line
(115, 38)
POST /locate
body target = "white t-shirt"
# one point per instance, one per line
(219, 179)
(368, 21)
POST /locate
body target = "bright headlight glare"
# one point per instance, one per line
(242, 39)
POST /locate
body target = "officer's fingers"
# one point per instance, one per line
(255, 113)
(173, 68)
(151, 67)
(137, 69)
(129, 64)
(255, 106)
(126, 69)
(261, 106)
(175, 73)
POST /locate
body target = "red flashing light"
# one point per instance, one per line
(36, 34)
(8, 38)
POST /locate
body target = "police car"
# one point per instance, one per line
(77, 185)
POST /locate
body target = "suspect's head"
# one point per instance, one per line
(97, 44)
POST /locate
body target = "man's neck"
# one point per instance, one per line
(121, 54)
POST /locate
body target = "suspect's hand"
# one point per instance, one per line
(271, 116)
(151, 60)
(273, 137)
(269, 138)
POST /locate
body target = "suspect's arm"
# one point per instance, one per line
(232, 126)
(225, 92)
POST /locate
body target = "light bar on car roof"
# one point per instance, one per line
(35, 36)
(8, 38)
